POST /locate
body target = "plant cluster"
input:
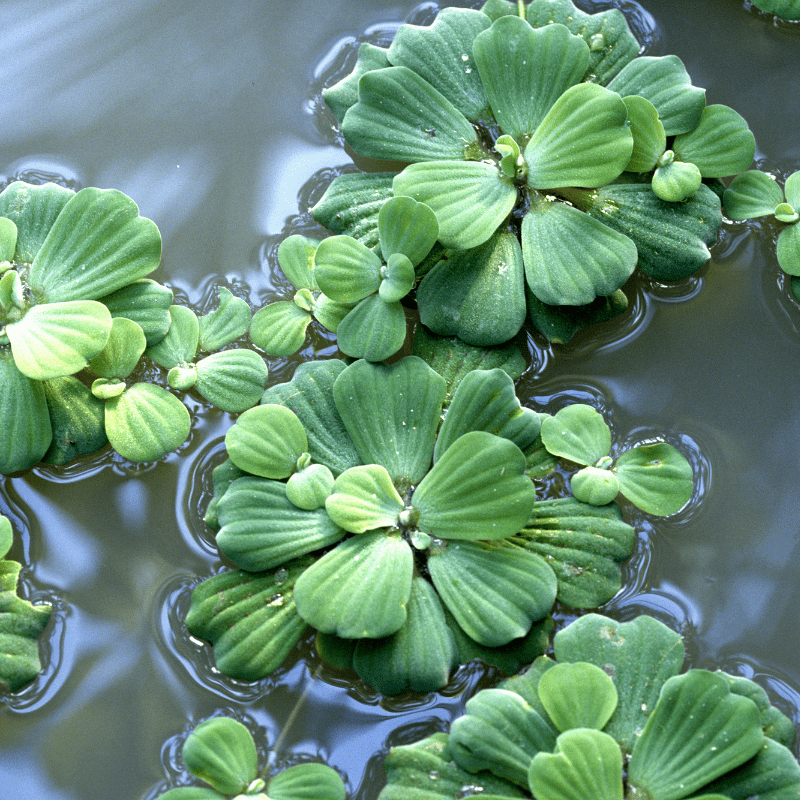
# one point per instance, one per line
(786, 9)
(221, 753)
(610, 718)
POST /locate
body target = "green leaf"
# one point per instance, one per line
(191, 793)
(392, 413)
(221, 752)
(441, 53)
(697, 732)
(774, 724)
(639, 656)
(146, 303)
(408, 228)
(788, 249)
(664, 81)
(571, 258)
(266, 441)
(359, 589)
(310, 487)
(671, 238)
(279, 329)
(594, 485)
(307, 782)
(752, 194)
(792, 189)
(656, 478)
(122, 351)
(179, 346)
(786, 9)
(8, 239)
(495, 591)
(351, 205)
(344, 94)
(720, 145)
(77, 420)
(364, 498)
(346, 270)
(649, 139)
(97, 244)
(425, 771)
(373, 330)
(583, 141)
(329, 313)
(469, 198)
(485, 401)
(501, 733)
(310, 396)
(577, 696)
(250, 620)
(260, 529)
(6, 535)
(476, 490)
(400, 276)
(232, 380)
(586, 765)
(227, 322)
(33, 209)
(419, 657)
(57, 339)
(296, 260)
(578, 433)
(676, 181)
(584, 545)
(478, 294)
(146, 422)
(401, 117)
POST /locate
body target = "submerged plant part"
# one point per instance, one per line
(221, 753)
(654, 477)
(409, 543)
(610, 718)
(21, 622)
(549, 152)
(756, 194)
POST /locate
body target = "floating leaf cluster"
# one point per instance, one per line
(610, 717)
(221, 753)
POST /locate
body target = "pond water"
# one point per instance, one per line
(209, 116)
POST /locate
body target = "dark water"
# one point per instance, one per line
(207, 114)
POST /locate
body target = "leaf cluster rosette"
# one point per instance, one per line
(756, 194)
(221, 753)
(655, 477)
(410, 543)
(610, 717)
(348, 288)
(70, 262)
(552, 155)
(21, 622)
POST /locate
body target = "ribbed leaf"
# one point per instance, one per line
(77, 420)
(122, 351)
(363, 499)
(676, 180)
(228, 321)
(649, 139)
(250, 620)
(179, 346)
(577, 696)
(145, 422)
(344, 94)
(146, 303)
(392, 413)
(788, 249)
(419, 657)
(260, 529)
(373, 330)
(359, 589)
(478, 294)
(97, 244)
(792, 190)
(232, 380)
(346, 270)
(469, 198)
(8, 239)
(578, 433)
(401, 117)
(495, 591)
(525, 70)
(408, 228)
(307, 782)
(279, 329)
(656, 478)
(296, 260)
(752, 194)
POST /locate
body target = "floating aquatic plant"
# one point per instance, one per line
(610, 718)
(756, 194)
(654, 477)
(787, 9)
(21, 622)
(409, 543)
(221, 753)
(550, 154)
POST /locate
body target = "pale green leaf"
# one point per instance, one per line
(6, 535)
(122, 351)
(310, 487)
(373, 330)
(346, 270)
(676, 180)
(408, 228)
(649, 139)
(228, 321)
(400, 276)
(578, 433)
(296, 260)
(788, 249)
(752, 194)
(232, 380)
(344, 94)
(329, 313)
(657, 478)
(307, 782)
(364, 498)
(792, 190)
(577, 696)
(179, 346)
(279, 329)
(8, 239)
(594, 485)
(146, 303)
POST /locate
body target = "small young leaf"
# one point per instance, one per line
(656, 478)
(307, 782)
(364, 498)
(296, 260)
(577, 696)
(577, 432)
(8, 239)
(649, 139)
(179, 346)
(122, 351)
(400, 277)
(232, 380)
(408, 228)
(752, 194)
(310, 488)
(279, 329)
(676, 181)
(227, 322)
(146, 303)
(595, 486)
(346, 270)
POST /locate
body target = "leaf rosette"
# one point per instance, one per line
(517, 131)
(409, 542)
(611, 717)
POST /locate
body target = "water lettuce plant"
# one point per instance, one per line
(221, 753)
(756, 194)
(609, 717)
(21, 622)
(410, 542)
(655, 477)
(787, 9)
(550, 153)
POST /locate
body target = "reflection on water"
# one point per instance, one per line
(210, 117)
